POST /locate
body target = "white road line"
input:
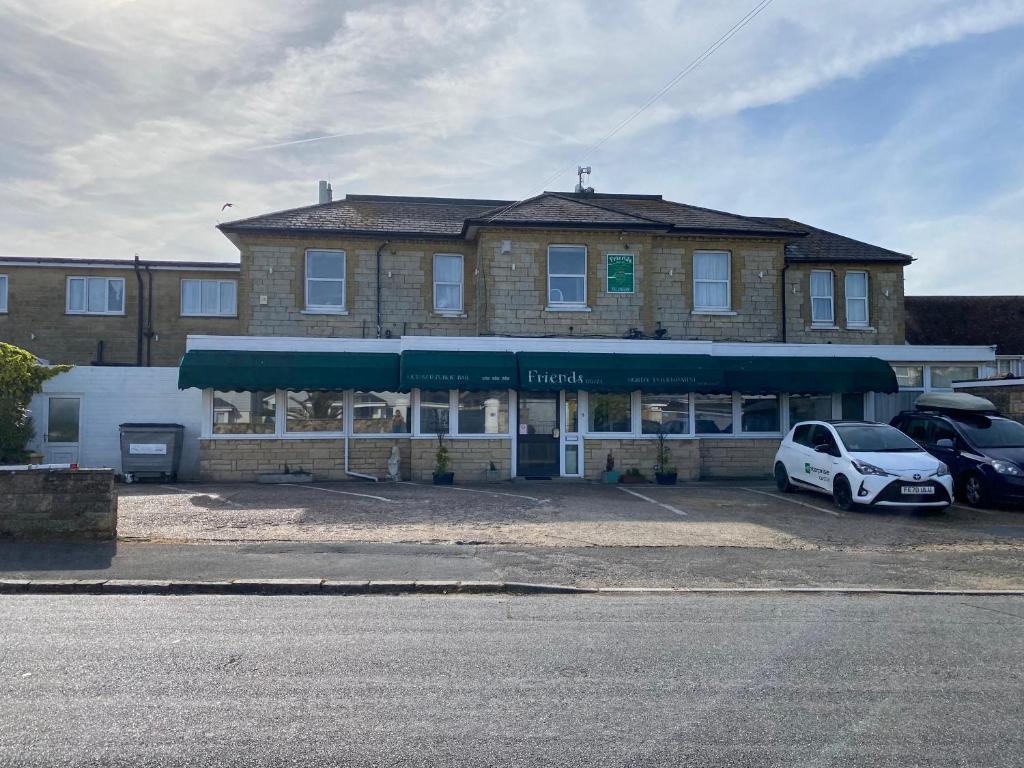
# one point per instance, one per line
(477, 490)
(793, 501)
(669, 507)
(343, 493)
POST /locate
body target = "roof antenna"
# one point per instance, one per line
(580, 171)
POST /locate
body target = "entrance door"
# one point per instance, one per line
(61, 437)
(537, 442)
(572, 445)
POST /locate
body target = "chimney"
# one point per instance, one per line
(325, 192)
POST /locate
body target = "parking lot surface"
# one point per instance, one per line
(552, 514)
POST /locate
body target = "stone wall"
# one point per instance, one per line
(739, 458)
(58, 503)
(469, 459)
(246, 460)
(1007, 398)
(641, 454)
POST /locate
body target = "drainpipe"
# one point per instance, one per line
(784, 319)
(138, 332)
(149, 319)
(356, 474)
(380, 327)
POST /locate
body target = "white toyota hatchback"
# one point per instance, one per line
(861, 462)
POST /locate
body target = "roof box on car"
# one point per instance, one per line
(954, 401)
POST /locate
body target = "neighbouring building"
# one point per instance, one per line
(112, 312)
(542, 336)
(988, 320)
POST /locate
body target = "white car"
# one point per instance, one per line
(861, 462)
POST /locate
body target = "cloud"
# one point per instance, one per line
(130, 124)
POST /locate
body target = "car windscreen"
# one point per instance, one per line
(985, 432)
(879, 438)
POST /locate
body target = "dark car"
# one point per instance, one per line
(984, 451)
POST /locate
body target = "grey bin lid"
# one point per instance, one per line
(153, 425)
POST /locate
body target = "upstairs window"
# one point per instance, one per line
(822, 306)
(213, 298)
(448, 279)
(3, 293)
(325, 281)
(711, 281)
(95, 296)
(567, 275)
(857, 298)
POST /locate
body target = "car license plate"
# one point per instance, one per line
(923, 490)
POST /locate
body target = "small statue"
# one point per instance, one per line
(394, 462)
(609, 464)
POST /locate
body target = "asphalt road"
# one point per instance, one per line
(538, 681)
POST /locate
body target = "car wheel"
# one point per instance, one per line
(782, 478)
(842, 494)
(975, 492)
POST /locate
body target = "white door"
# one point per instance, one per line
(62, 427)
(570, 442)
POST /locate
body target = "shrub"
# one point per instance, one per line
(21, 376)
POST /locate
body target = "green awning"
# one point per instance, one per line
(240, 371)
(617, 372)
(807, 375)
(458, 370)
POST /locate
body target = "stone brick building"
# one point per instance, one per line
(541, 336)
(86, 312)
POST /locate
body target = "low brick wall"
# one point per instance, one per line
(722, 459)
(641, 454)
(245, 460)
(58, 503)
(470, 459)
(1007, 398)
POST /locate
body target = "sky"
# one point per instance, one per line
(126, 126)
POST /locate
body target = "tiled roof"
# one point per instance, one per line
(83, 263)
(822, 245)
(970, 320)
(554, 209)
(680, 216)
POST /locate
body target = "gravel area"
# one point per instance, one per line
(550, 514)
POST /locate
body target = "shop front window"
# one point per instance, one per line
(483, 413)
(244, 413)
(434, 412)
(316, 411)
(713, 414)
(668, 414)
(380, 413)
(610, 412)
(759, 413)
(943, 376)
(809, 408)
(909, 376)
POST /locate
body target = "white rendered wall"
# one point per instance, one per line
(112, 396)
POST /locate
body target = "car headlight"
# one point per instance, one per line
(942, 471)
(1007, 468)
(869, 469)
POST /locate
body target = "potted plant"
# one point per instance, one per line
(442, 463)
(492, 472)
(664, 474)
(633, 476)
(610, 475)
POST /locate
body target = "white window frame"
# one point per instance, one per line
(5, 282)
(707, 308)
(462, 285)
(866, 322)
(219, 283)
(831, 320)
(326, 309)
(568, 305)
(67, 295)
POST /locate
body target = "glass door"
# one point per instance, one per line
(571, 443)
(537, 444)
(61, 436)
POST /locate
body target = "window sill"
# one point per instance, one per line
(212, 317)
(566, 308)
(443, 313)
(95, 314)
(724, 312)
(865, 328)
(315, 311)
(823, 327)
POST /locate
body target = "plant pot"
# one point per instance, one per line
(493, 475)
(665, 478)
(34, 458)
(611, 477)
(633, 479)
(446, 478)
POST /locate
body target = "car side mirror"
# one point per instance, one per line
(823, 448)
(945, 443)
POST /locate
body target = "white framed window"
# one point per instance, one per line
(567, 275)
(857, 299)
(95, 296)
(325, 281)
(3, 294)
(712, 282)
(449, 274)
(822, 298)
(213, 298)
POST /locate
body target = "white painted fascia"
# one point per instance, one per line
(988, 383)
